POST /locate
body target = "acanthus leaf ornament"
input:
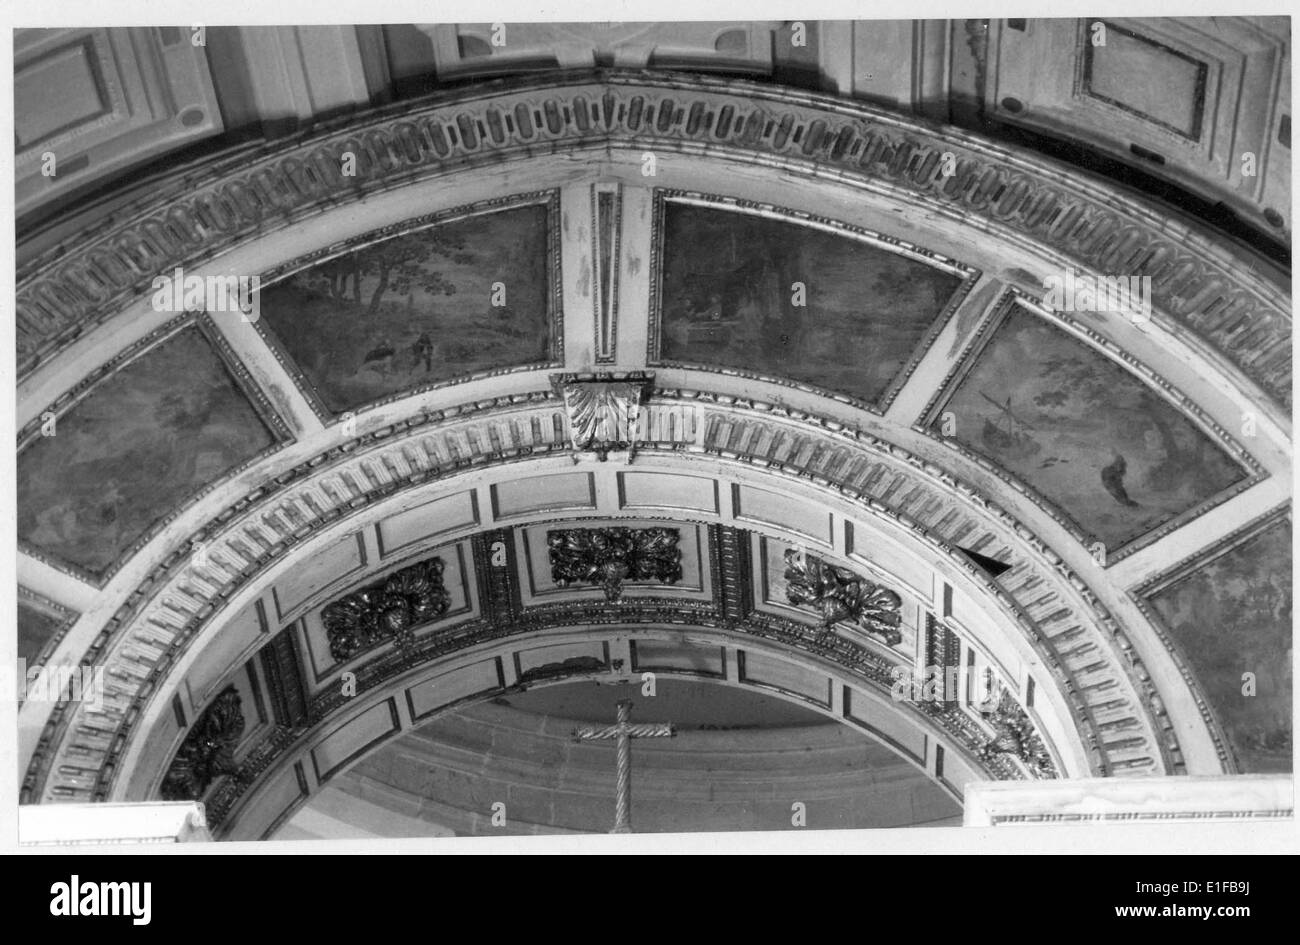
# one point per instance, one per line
(1014, 734)
(208, 751)
(838, 594)
(609, 556)
(604, 409)
(388, 610)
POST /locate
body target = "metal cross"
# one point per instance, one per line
(625, 731)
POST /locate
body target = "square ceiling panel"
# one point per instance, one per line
(152, 434)
(451, 300)
(828, 307)
(1116, 457)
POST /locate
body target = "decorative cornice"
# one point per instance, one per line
(1201, 283)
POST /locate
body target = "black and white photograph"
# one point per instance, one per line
(721, 434)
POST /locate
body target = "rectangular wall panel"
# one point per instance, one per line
(239, 635)
(761, 670)
(427, 521)
(808, 519)
(543, 493)
(679, 657)
(273, 804)
(344, 557)
(647, 490)
(344, 744)
(884, 724)
(430, 695)
(561, 657)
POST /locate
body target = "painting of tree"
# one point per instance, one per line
(440, 302)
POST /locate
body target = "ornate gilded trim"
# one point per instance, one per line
(1014, 734)
(390, 609)
(837, 594)
(208, 751)
(609, 556)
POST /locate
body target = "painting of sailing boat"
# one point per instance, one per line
(1008, 434)
(1083, 432)
(788, 301)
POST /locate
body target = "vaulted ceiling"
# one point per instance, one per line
(706, 319)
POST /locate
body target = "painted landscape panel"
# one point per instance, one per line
(1232, 616)
(1088, 435)
(443, 302)
(150, 435)
(731, 298)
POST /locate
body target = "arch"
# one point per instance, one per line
(1096, 657)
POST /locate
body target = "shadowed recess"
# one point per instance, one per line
(142, 441)
(740, 761)
(1232, 616)
(731, 293)
(443, 302)
(1112, 454)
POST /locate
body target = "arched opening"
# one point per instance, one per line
(740, 759)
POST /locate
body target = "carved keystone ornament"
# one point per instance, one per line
(604, 409)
